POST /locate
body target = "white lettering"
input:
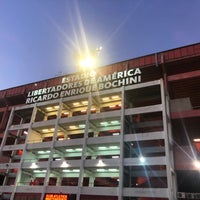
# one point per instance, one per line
(85, 83)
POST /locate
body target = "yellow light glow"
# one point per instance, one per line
(49, 108)
(87, 62)
(66, 113)
(76, 104)
(45, 130)
(112, 106)
(84, 102)
(115, 97)
(72, 127)
(105, 99)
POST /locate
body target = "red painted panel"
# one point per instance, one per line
(181, 76)
(171, 54)
(185, 114)
(184, 52)
(2, 94)
(141, 61)
(177, 53)
(14, 91)
(191, 50)
(197, 49)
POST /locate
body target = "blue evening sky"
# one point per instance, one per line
(40, 39)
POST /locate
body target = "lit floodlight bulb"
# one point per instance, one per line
(142, 159)
(98, 50)
(197, 164)
(87, 62)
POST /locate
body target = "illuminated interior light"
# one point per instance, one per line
(56, 107)
(103, 123)
(66, 170)
(114, 147)
(115, 122)
(115, 156)
(45, 130)
(52, 129)
(57, 159)
(112, 106)
(115, 97)
(78, 149)
(76, 170)
(73, 150)
(72, 127)
(69, 150)
(76, 104)
(93, 109)
(43, 152)
(60, 138)
(105, 99)
(113, 170)
(66, 113)
(49, 108)
(25, 132)
(82, 125)
(102, 148)
(83, 111)
(100, 170)
(39, 171)
(196, 140)
(115, 134)
(85, 102)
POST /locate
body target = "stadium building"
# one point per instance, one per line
(126, 131)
